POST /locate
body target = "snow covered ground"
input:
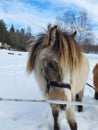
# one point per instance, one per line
(15, 83)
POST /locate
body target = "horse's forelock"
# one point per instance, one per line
(71, 51)
(67, 49)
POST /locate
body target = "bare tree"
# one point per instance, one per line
(79, 21)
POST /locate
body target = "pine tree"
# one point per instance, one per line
(12, 29)
(3, 32)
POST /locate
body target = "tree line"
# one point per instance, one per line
(70, 21)
(17, 39)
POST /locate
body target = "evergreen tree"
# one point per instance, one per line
(12, 29)
(3, 32)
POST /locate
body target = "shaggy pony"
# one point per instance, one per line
(57, 59)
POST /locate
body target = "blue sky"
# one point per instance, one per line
(38, 13)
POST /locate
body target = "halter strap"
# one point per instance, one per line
(56, 84)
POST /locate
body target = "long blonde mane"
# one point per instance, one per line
(62, 44)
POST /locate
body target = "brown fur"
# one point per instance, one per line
(95, 80)
(56, 56)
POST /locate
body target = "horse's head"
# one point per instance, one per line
(56, 54)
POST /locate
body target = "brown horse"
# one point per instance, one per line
(95, 80)
(61, 69)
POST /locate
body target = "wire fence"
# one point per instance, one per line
(58, 102)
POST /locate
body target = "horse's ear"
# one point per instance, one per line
(53, 32)
(74, 34)
(49, 27)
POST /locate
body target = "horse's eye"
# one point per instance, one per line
(50, 65)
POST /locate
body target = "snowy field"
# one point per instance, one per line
(15, 83)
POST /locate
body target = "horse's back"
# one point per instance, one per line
(95, 77)
(95, 70)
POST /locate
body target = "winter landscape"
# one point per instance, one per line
(20, 23)
(15, 83)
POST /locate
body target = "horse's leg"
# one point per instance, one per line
(79, 98)
(71, 118)
(55, 113)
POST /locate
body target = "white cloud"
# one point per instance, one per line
(90, 6)
(24, 14)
